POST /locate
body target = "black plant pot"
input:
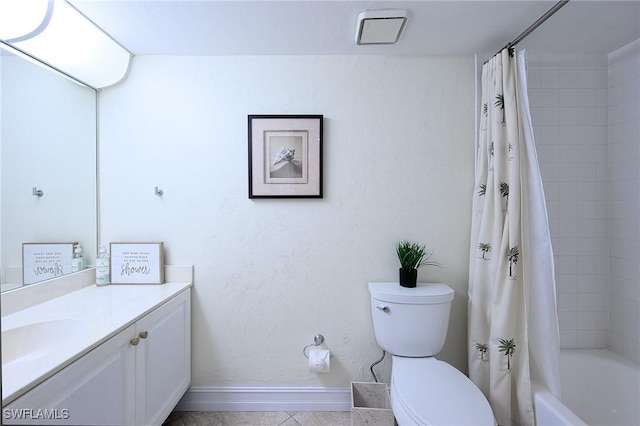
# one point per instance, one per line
(408, 277)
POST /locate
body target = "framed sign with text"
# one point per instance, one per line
(137, 263)
(43, 261)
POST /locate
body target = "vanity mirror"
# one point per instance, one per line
(47, 163)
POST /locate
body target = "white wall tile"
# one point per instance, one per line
(631, 68)
(631, 350)
(567, 97)
(586, 339)
(568, 134)
(587, 97)
(586, 302)
(567, 302)
(568, 339)
(549, 116)
(568, 78)
(567, 283)
(594, 175)
(533, 79)
(579, 173)
(563, 116)
(568, 320)
(615, 95)
(548, 98)
(624, 212)
(631, 131)
(549, 79)
(587, 116)
(615, 75)
(601, 339)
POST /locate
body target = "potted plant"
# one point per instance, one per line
(412, 256)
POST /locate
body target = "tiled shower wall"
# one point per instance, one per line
(569, 103)
(586, 111)
(624, 206)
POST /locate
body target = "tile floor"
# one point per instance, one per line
(259, 418)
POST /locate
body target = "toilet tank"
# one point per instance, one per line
(410, 322)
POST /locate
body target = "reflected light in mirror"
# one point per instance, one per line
(74, 45)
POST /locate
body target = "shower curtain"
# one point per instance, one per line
(513, 322)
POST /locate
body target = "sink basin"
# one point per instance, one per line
(39, 338)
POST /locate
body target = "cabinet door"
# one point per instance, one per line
(98, 388)
(163, 359)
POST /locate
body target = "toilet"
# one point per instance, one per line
(411, 324)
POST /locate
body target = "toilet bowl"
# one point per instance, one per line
(411, 324)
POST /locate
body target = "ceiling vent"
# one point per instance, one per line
(380, 26)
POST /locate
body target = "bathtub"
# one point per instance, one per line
(599, 388)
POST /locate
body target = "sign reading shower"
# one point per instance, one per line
(43, 261)
(137, 263)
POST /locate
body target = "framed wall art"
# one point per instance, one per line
(43, 261)
(285, 156)
(137, 263)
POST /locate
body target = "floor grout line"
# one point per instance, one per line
(239, 418)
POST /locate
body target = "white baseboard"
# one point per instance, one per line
(265, 399)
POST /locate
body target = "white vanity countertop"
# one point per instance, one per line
(107, 310)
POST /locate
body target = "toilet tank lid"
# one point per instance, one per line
(423, 293)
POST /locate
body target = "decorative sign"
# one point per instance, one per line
(43, 261)
(137, 263)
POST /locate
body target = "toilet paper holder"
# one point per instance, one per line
(318, 339)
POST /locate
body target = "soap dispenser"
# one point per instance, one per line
(102, 266)
(77, 262)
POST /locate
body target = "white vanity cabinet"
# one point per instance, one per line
(99, 385)
(163, 359)
(134, 378)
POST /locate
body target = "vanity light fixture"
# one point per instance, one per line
(384, 26)
(19, 19)
(57, 34)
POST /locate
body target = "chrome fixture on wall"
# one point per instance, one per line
(318, 339)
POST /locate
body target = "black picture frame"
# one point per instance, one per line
(285, 156)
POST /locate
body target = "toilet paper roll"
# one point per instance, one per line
(319, 360)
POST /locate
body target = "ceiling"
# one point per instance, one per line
(303, 27)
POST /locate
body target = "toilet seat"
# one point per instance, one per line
(426, 391)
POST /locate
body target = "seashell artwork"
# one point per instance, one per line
(283, 154)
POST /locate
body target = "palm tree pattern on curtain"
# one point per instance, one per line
(512, 308)
(495, 320)
(508, 348)
(514, 252)
(482, 349)
(484, 248)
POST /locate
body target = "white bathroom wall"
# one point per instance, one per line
(568, 97)
(269, 274)
(624, 210)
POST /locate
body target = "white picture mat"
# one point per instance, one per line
(261, 126)
(298, 141)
